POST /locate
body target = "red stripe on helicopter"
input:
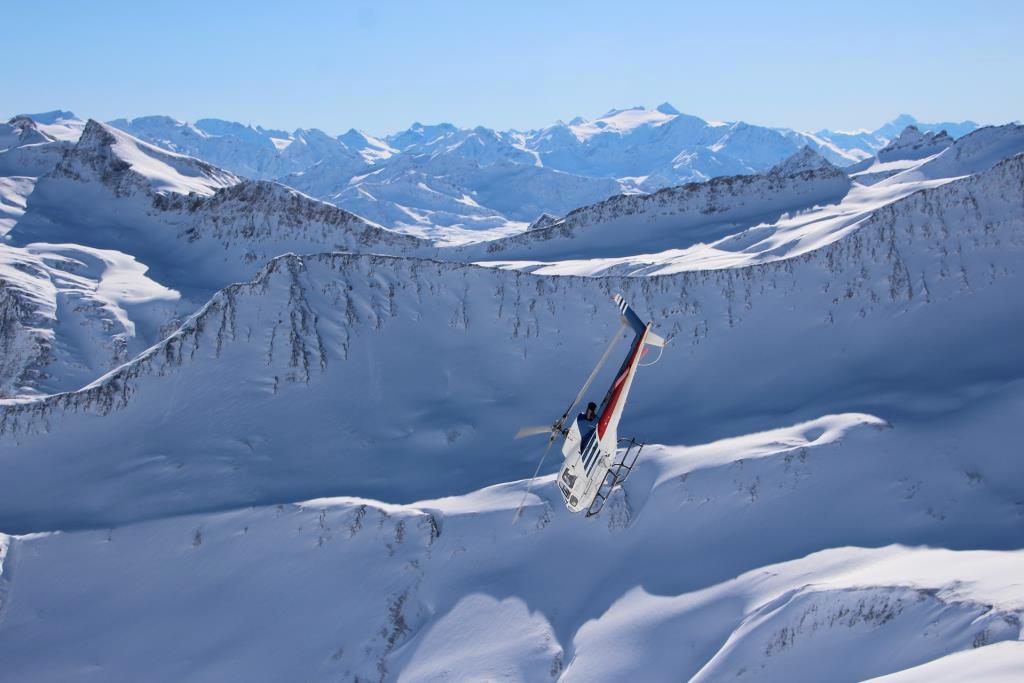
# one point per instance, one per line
(620, 381)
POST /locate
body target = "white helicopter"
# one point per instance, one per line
(591, 469)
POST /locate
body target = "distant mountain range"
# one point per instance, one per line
(431, 177)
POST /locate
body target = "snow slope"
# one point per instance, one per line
(903, 152)
(200, 225)
(58, 125)
(72, 312)
(788, 555)
(129, 164)
(27, 150)
(125, 207)
(220, 412)
(676, 217)
(1001, 663)
(14, 192)
(662, 234)
(863, 144)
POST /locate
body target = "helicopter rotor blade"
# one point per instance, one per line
(529, 485)
(533, 431)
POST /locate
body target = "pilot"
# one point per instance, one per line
(587, 423)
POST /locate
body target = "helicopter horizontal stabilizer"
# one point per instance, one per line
(654, 340)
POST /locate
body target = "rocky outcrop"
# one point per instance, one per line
(915, 144)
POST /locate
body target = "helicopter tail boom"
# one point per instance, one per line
(638, 326)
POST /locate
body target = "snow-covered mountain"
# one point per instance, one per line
(30, 149)
(801, 205)
(662, 147)
(770, 554)
(439, 180)
(955, 129)
(310, 329)
(477, 179)
(717, 562)
(225, 402)
(903, 152)
(119, 219)
(677, 217)
(862, 144)
(251, 151)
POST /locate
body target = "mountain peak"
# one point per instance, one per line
(616, 112)
(543, 221)
(126, 163)
(666, 108)
(21, 130)
(95, 136)
(803, 160)
(912, 143)
(487, 132)
(51, 117)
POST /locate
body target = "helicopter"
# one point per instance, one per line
(591, 466)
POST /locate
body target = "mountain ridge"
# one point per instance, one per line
(637, 148)
(328, 319)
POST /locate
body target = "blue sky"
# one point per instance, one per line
(380, 66)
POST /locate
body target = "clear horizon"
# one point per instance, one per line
(380, 67)
(339, 132)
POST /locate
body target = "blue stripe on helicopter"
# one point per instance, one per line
(590, 455)
(585, 452)
(630, 315)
